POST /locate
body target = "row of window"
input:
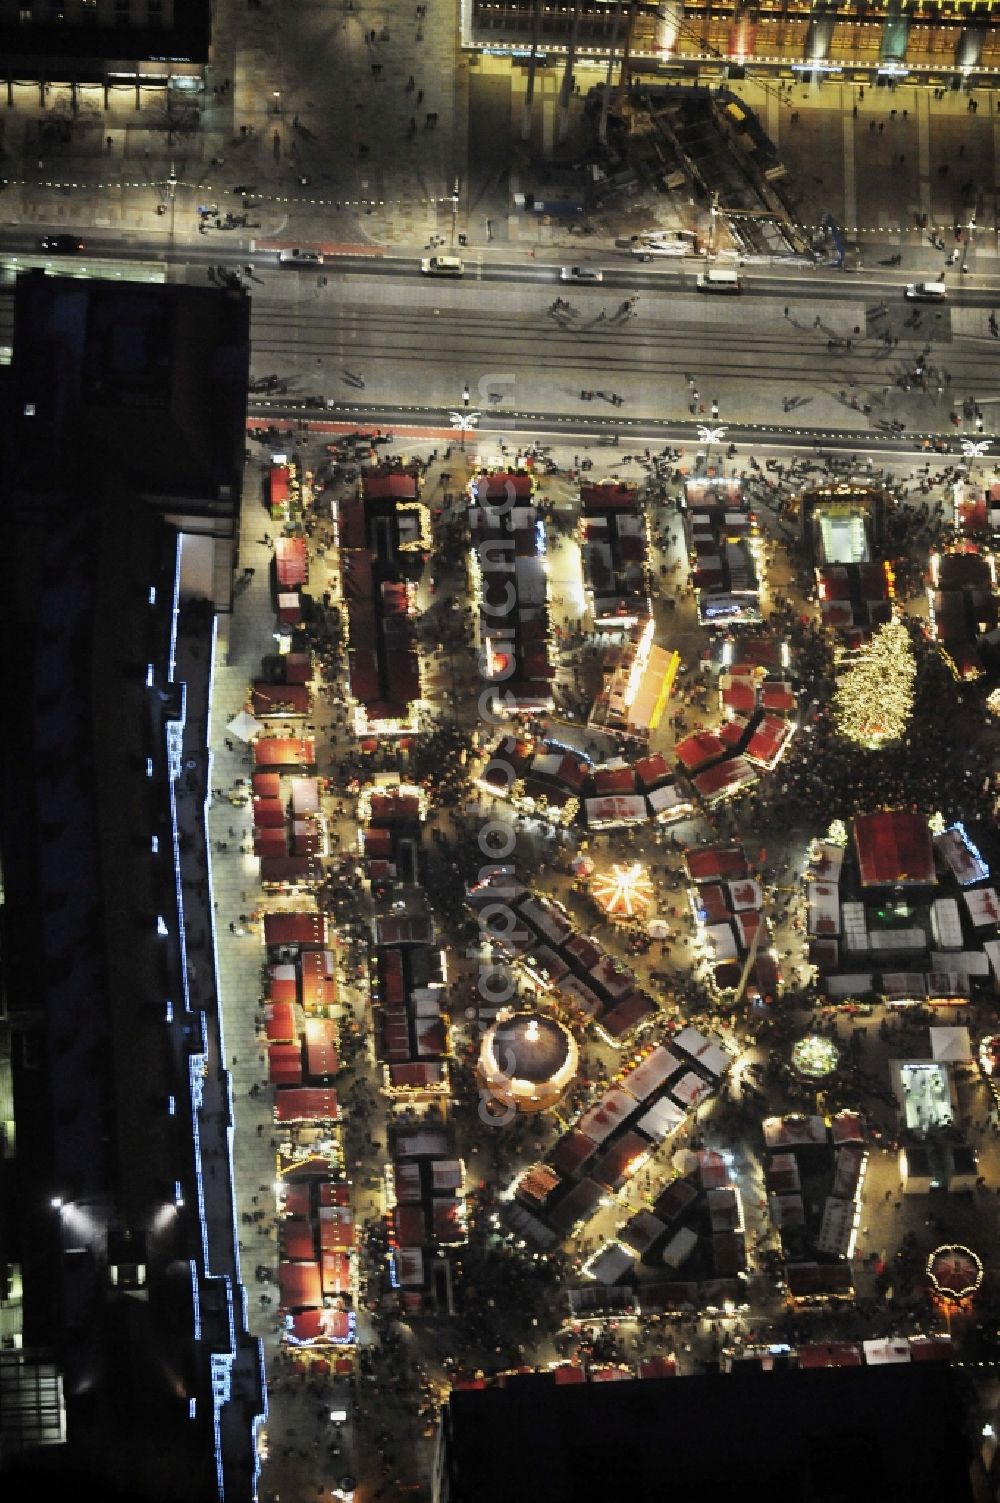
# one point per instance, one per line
(126, 12)
(923, 10)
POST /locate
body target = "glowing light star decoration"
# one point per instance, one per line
(815, 1057)
(625, 892)
(955, 1273)
(993, 702)
(873, 700)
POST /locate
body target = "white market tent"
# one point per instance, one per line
(837, 1227)
(680, 1247)
(668, 800)
(965, 962)
(950, 1043)
(721, 940)
(651, 1073)
(690, 1089)
(983, 907)
(663, 1118)
(946, 923)
(889, 1350)
(707, 1051)
(992, 949)
(612, 1263)
(824, 909)
(792, 1131)
(825, 861)
(244, 726)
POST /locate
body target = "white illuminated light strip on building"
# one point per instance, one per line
(179, 893)
(175, 608)
(208, 844)
(197, 1063)
(195, 1299)
(221, 1363)
(221, 1368)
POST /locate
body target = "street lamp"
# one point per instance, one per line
(454, 212)
(276, 106)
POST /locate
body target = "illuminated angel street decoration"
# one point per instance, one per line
(625, 892)
(955, 1273)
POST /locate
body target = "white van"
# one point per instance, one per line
(302, 258)
(926, 292)
(441, 266)
(719, 279)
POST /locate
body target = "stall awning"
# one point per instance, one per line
(294, 929)
(300, 1285)
(270, 841)
(271, 701)
(284, 1062)
(284, 751)
(280, 1023)
(296, 1239)
(291, 562)
(305, 1104)
(321, 1047)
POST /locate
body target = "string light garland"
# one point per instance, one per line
(873, 700)
(954, 1272)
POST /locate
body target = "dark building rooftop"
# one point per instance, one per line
(828, 1436)
(140, 388)
(116, 1203)
(82, 48)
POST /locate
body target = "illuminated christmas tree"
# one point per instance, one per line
(873, 700)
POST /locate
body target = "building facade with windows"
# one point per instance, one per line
(113, 43)
(943, 43)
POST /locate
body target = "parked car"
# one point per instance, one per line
(926, 292)
(442, 266)
(581, 274)
(719, 279)
(301, 258)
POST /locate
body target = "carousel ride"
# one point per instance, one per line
(527, 1061)
(624, 894)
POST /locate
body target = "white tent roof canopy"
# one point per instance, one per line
(951, 1043)
(245, 726)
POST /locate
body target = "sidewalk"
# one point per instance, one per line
(903, 155)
